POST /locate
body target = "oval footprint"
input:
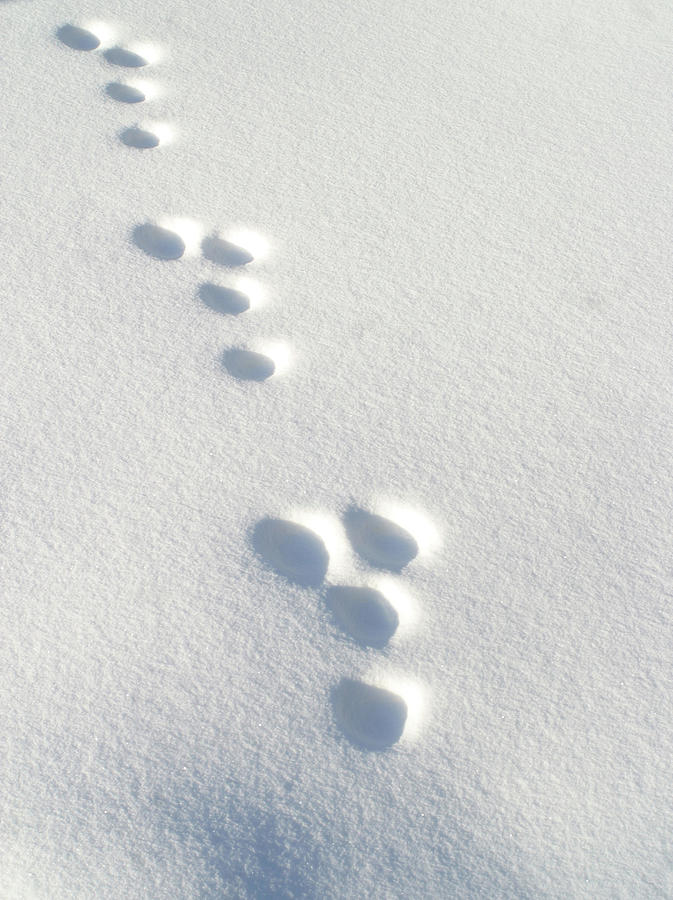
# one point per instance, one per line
(224, 300)
(371, 717)
(246, 365)
(77, 38)
(292, 550)
(224, 253)
(120, 56)
(124, 93)
(380, 541)
(365, 613)
(139, 138)
(157, 242)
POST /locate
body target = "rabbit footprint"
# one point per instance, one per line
(170, 240)
(132, 57)
(372, 715)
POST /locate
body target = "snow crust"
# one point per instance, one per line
(451, 224)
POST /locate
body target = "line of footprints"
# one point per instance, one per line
(174, 238)
(373, 713)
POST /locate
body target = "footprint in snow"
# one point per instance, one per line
(77, 38)
(214, 248)
(364, 612)
(372, 715)
(126, 58)
(380, 541)
(225, 253)
(125, 93)
(248, 365)
(132, 57)
(140, 138)
(177, 238)
(158, 242)
(292, 550)
(225, 300)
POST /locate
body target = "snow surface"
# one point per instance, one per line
(458, 319)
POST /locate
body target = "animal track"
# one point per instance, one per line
(133, 57)
(166, 243)
(293, 550)
(247, 365)
(224, 300)
(371, 715)
(153, 240)
(364, 612)
(160, 243)
(378, 540)
(124, 93)
(77, 38)
(139, 138)
(127, 59)
(173, 239)
(224, 253)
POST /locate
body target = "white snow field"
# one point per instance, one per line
(336, 410)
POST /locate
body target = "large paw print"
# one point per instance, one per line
(373, 715)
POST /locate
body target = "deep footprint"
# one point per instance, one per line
(365, 613)
(77, 38)
(292, 550)
(120, 56)
(246, 365)
(372, 717)
(124, 93)
(139, 138)
(160, 243)
(224, 253)
(224, 300)
(381, 542)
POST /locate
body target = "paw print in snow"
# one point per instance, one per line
(373, 713)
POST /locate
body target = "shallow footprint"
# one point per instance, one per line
(157, 242)
(139, 138)
(370, 716)
(120, 56)
(246, 365)
(77, 38)
(224, 299)
(365, 613)
(224, 253)
(124, 93)
(292, 550)
(380, 541)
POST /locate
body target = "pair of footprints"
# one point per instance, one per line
(372, 716)
(127, 57)
(172, 241)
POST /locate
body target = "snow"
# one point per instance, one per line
(450, 386)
